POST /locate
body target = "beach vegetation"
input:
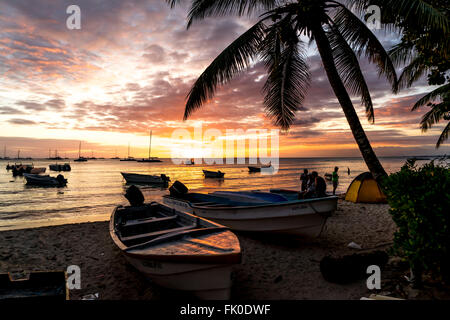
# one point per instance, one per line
(419, 200)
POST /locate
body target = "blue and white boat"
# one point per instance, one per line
(277, 211)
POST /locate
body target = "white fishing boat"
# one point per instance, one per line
(177, 250)
(46, 181)
(145, 178)
(258, 213)
(213, 174)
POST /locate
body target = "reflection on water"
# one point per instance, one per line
(95, 187)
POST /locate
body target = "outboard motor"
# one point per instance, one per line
(61, 179)
(164, 177)
(134, 196)
(178, 189)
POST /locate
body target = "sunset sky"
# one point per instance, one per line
(129, 68)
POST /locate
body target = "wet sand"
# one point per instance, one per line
(272, 268)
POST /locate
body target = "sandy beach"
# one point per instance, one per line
(272, 268)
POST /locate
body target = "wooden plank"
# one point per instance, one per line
(130, 223)
(157, 233)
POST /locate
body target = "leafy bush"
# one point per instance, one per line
(420, 206)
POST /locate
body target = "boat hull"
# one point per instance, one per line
(198, 261)
(300, 218)
(141, 178)
(206, 281)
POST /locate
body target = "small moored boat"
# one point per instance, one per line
(46, 181)
(145, 178)
(258, 169)
(255, 211)
(37, 170)
(177, 250)
(60, 167)
(213, 174)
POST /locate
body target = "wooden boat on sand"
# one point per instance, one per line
(177, 250)
(145, 178)
(213, 174)
(258, 212)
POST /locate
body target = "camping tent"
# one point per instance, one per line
(364, 188)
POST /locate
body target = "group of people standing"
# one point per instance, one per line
(314, 186)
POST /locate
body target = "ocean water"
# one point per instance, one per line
(95, 187)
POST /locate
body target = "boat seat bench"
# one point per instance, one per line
(157, 233)
(130, 223)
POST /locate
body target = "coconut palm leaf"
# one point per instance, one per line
(411, 73)
(235, 58)
(417, 12)
(444, 135)
(402, 53)
(433, 95)
(349, 70)
(288, 80)
(433, 116)
(363, 41)
(201, 9)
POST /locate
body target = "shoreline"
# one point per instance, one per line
(272, 268)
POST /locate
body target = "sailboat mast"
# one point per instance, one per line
(79, 150)
(128, 149)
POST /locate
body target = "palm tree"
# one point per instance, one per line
(424, 49)
(341, 38)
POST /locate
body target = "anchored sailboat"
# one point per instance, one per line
(150, 159)
(80, 158)
(128, 158)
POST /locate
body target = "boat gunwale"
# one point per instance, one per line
(262, 205)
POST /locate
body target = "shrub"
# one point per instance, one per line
(420, 206)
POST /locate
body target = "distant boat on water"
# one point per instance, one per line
(45, 181)
(128, 158)
(190, 162)
(60, 167)
(145, 178)
(80, 158)
(258, 169)
(213, 174)
(150, 158)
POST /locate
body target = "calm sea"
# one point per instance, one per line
(95, 187)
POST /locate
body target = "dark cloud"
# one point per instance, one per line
(22, 122)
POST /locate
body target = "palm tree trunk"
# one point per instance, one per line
(341, 93)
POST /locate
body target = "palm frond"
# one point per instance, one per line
(417, 12)
(173, 3)
(288, 79)
(201, 9)
(232, 60)
(411, 73)
(402, 53)
(363, 41)
(432, 117)
(433, 95)
(349, 70)
(444, 135)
